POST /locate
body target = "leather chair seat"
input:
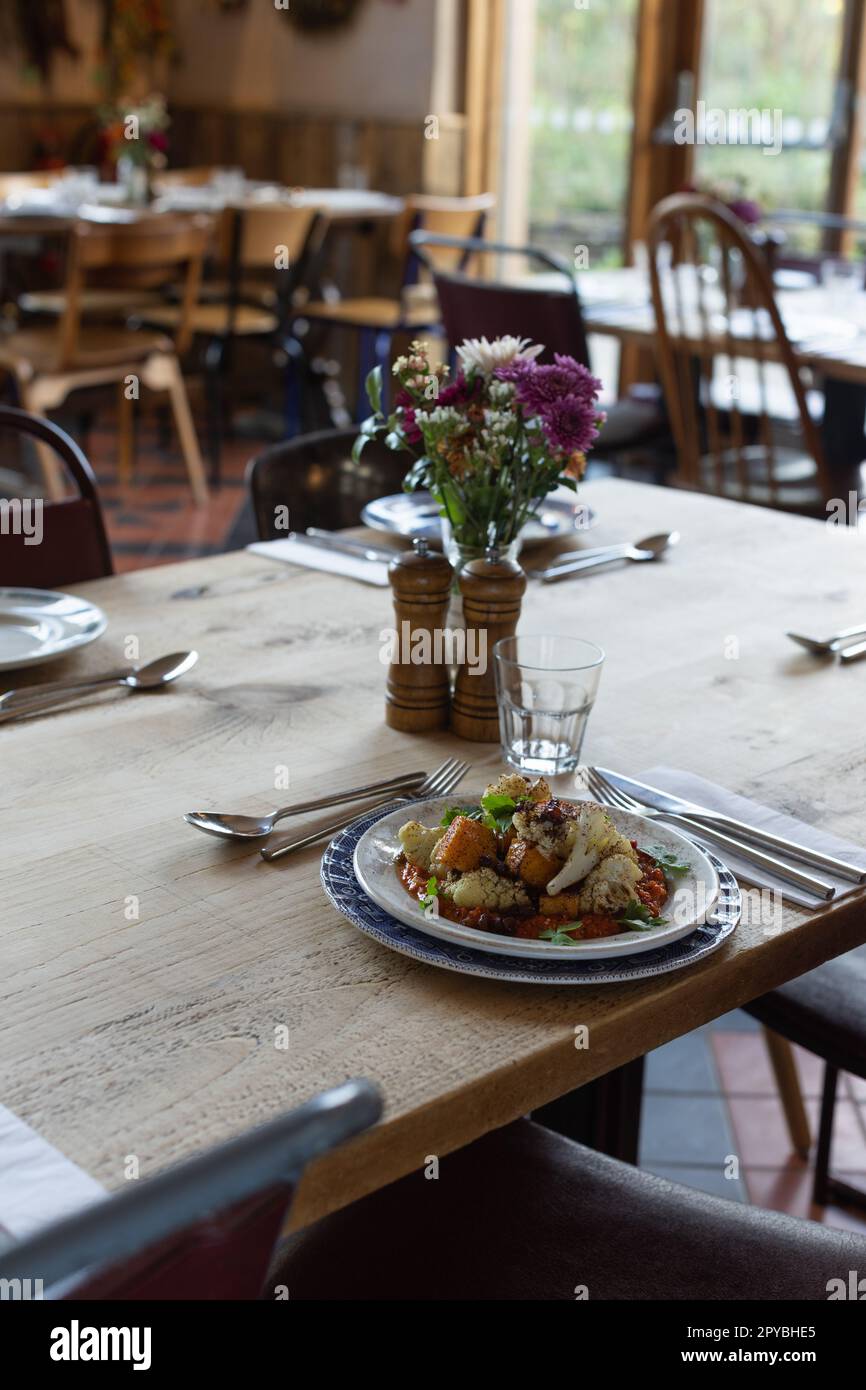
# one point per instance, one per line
(824, 1011)
(527, 1214)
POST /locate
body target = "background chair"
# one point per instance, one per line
(526, 1214)
(547, 311)
(74, 545)
(202, 1230)
(377, 320)
(825, 1012)
(316, 478)
(262, 254)
(49, 362)
(719, 330)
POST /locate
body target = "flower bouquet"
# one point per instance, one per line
(135, 140)
(491, 444)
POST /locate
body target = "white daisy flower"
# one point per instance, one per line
(481, 355)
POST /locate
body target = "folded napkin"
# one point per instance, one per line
(38, 1184)
(293, 551)
(715, 798)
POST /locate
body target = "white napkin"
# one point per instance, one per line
(38, 1184)
(293, 551)
(693, 788)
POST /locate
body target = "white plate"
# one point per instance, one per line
(38, 625)
(692, 898)
(416, 514)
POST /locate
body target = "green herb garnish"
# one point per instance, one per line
(668, 862)
(428, 897)
(559, 936)
(637, 917)
(498, 810)
(472, 812)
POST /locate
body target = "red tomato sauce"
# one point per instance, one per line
(651, 890)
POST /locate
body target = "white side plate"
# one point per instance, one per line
(38, 625)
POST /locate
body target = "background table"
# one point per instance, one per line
(147, 968)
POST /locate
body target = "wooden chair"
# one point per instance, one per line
(378, 319)
(717, 323)
(473, 306)
(49, 362)
(262, 249)
(316, 478)
(205, 1229)
(195, 176)
(74, 546)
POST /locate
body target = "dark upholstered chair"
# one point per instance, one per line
(548, 313)
(205, 1229)
(74, 545)
(825, 1012)
(315, 477)
(527, 1214)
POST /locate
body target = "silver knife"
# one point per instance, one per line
(677, 805)
(325, 540)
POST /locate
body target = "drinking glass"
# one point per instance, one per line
(842, 281)
(545, 689)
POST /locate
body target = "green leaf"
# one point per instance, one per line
(499, 810)
(374, 389)
(668, 861)
(558, 936)
(452, 812)
(358, 447)
(430, 892)
(637, 917)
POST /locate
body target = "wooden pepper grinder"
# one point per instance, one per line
(492, 590)
(418, 691)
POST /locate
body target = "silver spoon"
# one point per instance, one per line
(650, 548)
(829, 645)
(155, 674)
(257, 827)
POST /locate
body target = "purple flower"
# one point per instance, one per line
(570, 424)
(408, 417)
(537, 386)
(747, 210)
(461, 391)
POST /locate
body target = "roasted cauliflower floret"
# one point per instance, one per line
(464, 844)
(551, 825)
(419, 841)
(486, 888)
(519, 788)
(610, 886)
(591, 839)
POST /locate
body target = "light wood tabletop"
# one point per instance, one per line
(148, 971)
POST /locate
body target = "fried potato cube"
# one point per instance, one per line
(558, 905)
(530, 863)
(465, 843)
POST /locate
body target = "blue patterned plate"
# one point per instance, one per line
(348, 897)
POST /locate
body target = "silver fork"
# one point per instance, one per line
(441, 780)
(615, 797)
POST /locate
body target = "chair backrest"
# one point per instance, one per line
(196, 176)
(315, 477)
(205, 1229)
(718, 328)
(155, 249)
(73, 546)
(444, 217)
(546, 312)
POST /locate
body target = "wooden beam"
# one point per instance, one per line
(845, 162)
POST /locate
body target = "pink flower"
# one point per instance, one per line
(408, 417)
(537, 386)
(461, 391)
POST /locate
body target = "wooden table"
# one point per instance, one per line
(147, 968)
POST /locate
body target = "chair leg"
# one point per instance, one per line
(186, 431)
(126, 435)
(788, 1083)
(213, 363)
(821, 1185)
(604, 1114)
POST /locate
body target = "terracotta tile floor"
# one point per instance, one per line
(153, 520)
(710, 1098)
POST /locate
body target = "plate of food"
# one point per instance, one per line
(518, 872)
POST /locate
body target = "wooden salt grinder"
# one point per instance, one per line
(418, 694)
(492, 591)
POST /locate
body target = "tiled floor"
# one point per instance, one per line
(712, 1119)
